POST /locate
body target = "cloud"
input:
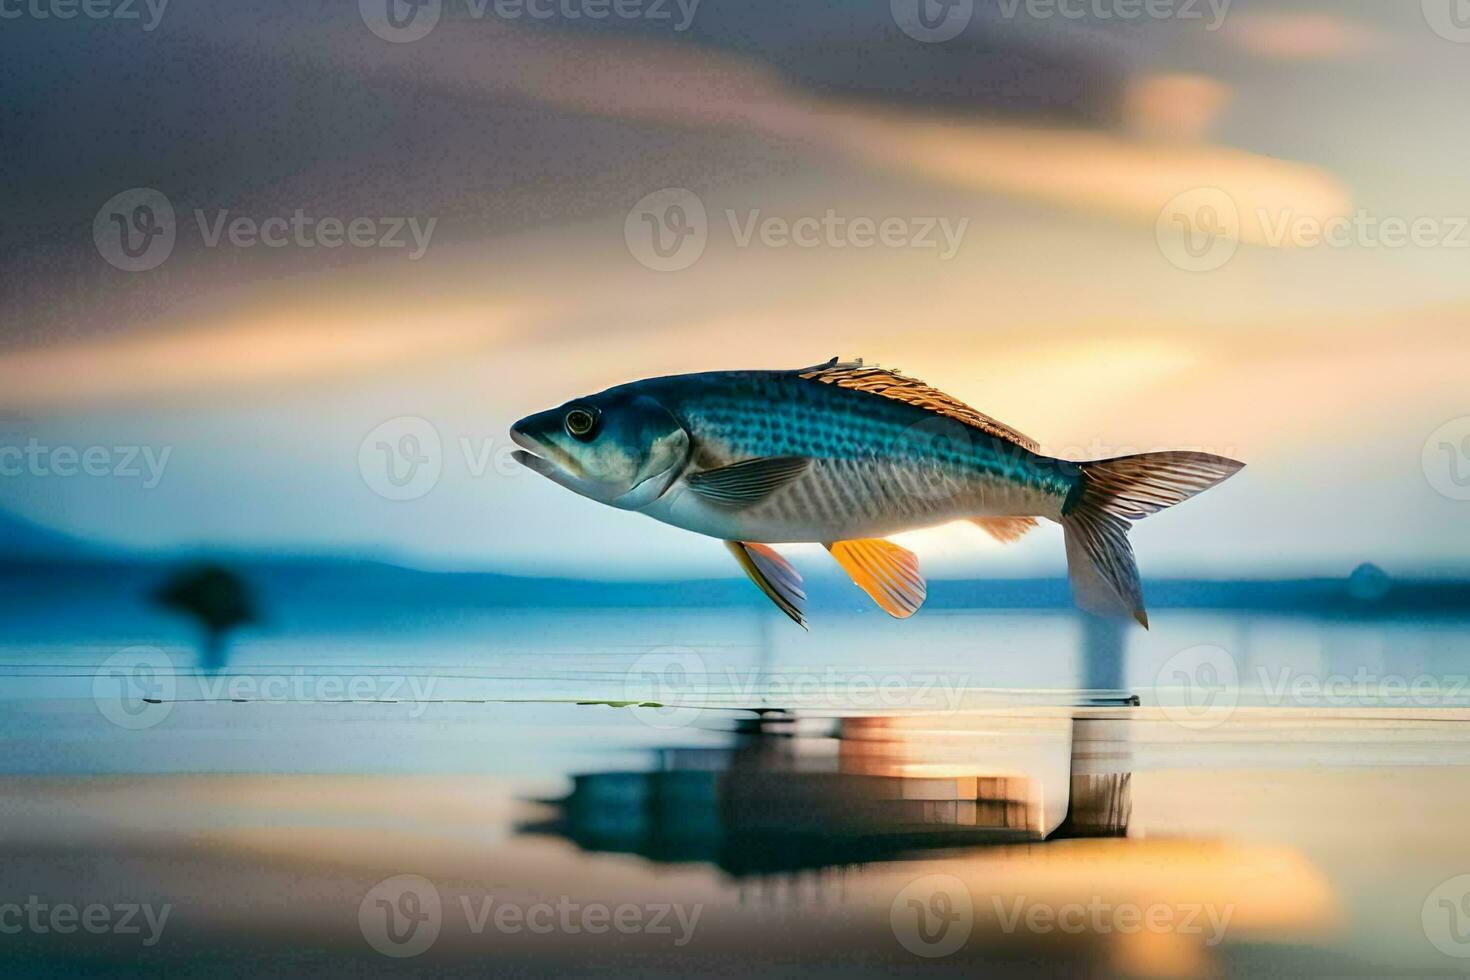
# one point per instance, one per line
(1089, 169)
(286, 343)
(1174, 106)
(1301, 36)
(328, 329)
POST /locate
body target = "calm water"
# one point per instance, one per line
(563, 792)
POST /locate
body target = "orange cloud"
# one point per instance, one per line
(1300, 37)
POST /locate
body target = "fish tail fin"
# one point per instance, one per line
(1111, 494)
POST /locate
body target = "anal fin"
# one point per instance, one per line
(1005, 529)
(774, 575)
(888, 573)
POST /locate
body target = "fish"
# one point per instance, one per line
(845, 455)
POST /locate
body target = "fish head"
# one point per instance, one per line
(620, 447)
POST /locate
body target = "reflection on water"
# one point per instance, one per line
(1020, 841)
(1026, 815)
(788, 796)
(969, 793)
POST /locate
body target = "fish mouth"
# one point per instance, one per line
(543, 457)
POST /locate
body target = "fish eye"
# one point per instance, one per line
(580, 422)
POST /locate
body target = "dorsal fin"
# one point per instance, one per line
(890, 384)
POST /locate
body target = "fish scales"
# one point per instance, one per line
(876, 461)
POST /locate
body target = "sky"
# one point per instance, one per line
(1244, 232)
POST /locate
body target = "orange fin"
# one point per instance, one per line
(886, 572)
(1004, 529)
(775, 576)
(890, 384)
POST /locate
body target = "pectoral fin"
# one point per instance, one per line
(745, 483)
(886, 572)
(775, 576)
(1004, 529)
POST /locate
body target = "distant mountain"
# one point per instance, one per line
(320, 585)
(36, 558)
(21, 540)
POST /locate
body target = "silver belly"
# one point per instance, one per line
(828, 504)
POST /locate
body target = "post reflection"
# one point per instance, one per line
(792, 794)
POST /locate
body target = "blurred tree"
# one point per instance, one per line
(218, 599)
